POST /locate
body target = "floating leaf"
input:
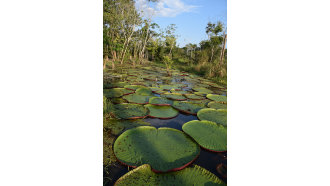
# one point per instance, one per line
(174, 96)
(202, 89)
(162, 112)
(194, 96)
(138, 99)
(188, 107)
(133, 87)
(216, 115)
(207, 134)
(143, 175)
(218, 98)
(160, 101)
(165, 149)
(128, 111)
(217, 105)
(144, 91)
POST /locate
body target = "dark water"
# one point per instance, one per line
(207, 159)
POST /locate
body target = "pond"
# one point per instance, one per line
(173, 88)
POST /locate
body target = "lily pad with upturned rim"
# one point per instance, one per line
(161, 112)
(217, 105)
(194, 96)
(160, 101)
(164, 149)
(218, 98)
(143, 91)
(188, 107)
(218, 116)
(138, 99)
(174, 96)
(133, 87)
(128, 111)
(207, 134)
(194, 175)
(202, 89)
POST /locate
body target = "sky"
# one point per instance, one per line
(190, 16)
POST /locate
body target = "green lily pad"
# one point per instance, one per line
(188, 107)
(143, 175)
(164, 149)
(202, 89)
(138, 99)
(207, 134)
(155, 89)
(160, 92)
(116, 126)
(218, 98)
(169, 87)
(118, 100)
(201, 93)
(133, 87)
(113, 93)
(128, 111)
(194, 96)
(144, 91)
(160, 101)
(174, 96)
(216, 115)
(162, 112)
(217, 105)
(203, 101)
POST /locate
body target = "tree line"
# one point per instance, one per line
(130, 36)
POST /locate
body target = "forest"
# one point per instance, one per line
(130, 36)
(164, 106)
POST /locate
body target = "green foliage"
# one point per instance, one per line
(144, 176)
(207, 134)
(218, 116)
(164, 149)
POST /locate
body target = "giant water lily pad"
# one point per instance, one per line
(115, 92)
(218, 116)
(202, 89)
(169, 87)
(133, 87)
(128, 111)
(136, 98)
(218, 98)
(217, 105)
(160, 101)
(162, 112)
(194, 96)
(118, 125)
(143, 175)
(174, 96)
(188, 107)
(144, 91)
(207, 134)
(164, 149)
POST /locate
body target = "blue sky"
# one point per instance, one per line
(190, 16)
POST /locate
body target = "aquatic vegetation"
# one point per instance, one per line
(162, 112)
(174, 96)
(218, 98)
(217, 105)
(143, 175)
(133, 87)
(164, 149)
(202, 89)
(188, 107)
(144, 91)
(137, 99)
(160, 101)
(194, 96)
(116, 126)
(207, 134)
(128, 111)
(218, 116)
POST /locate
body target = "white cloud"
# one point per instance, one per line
(165, 8)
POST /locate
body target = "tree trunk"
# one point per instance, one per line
(212, 54)
(222, 55)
